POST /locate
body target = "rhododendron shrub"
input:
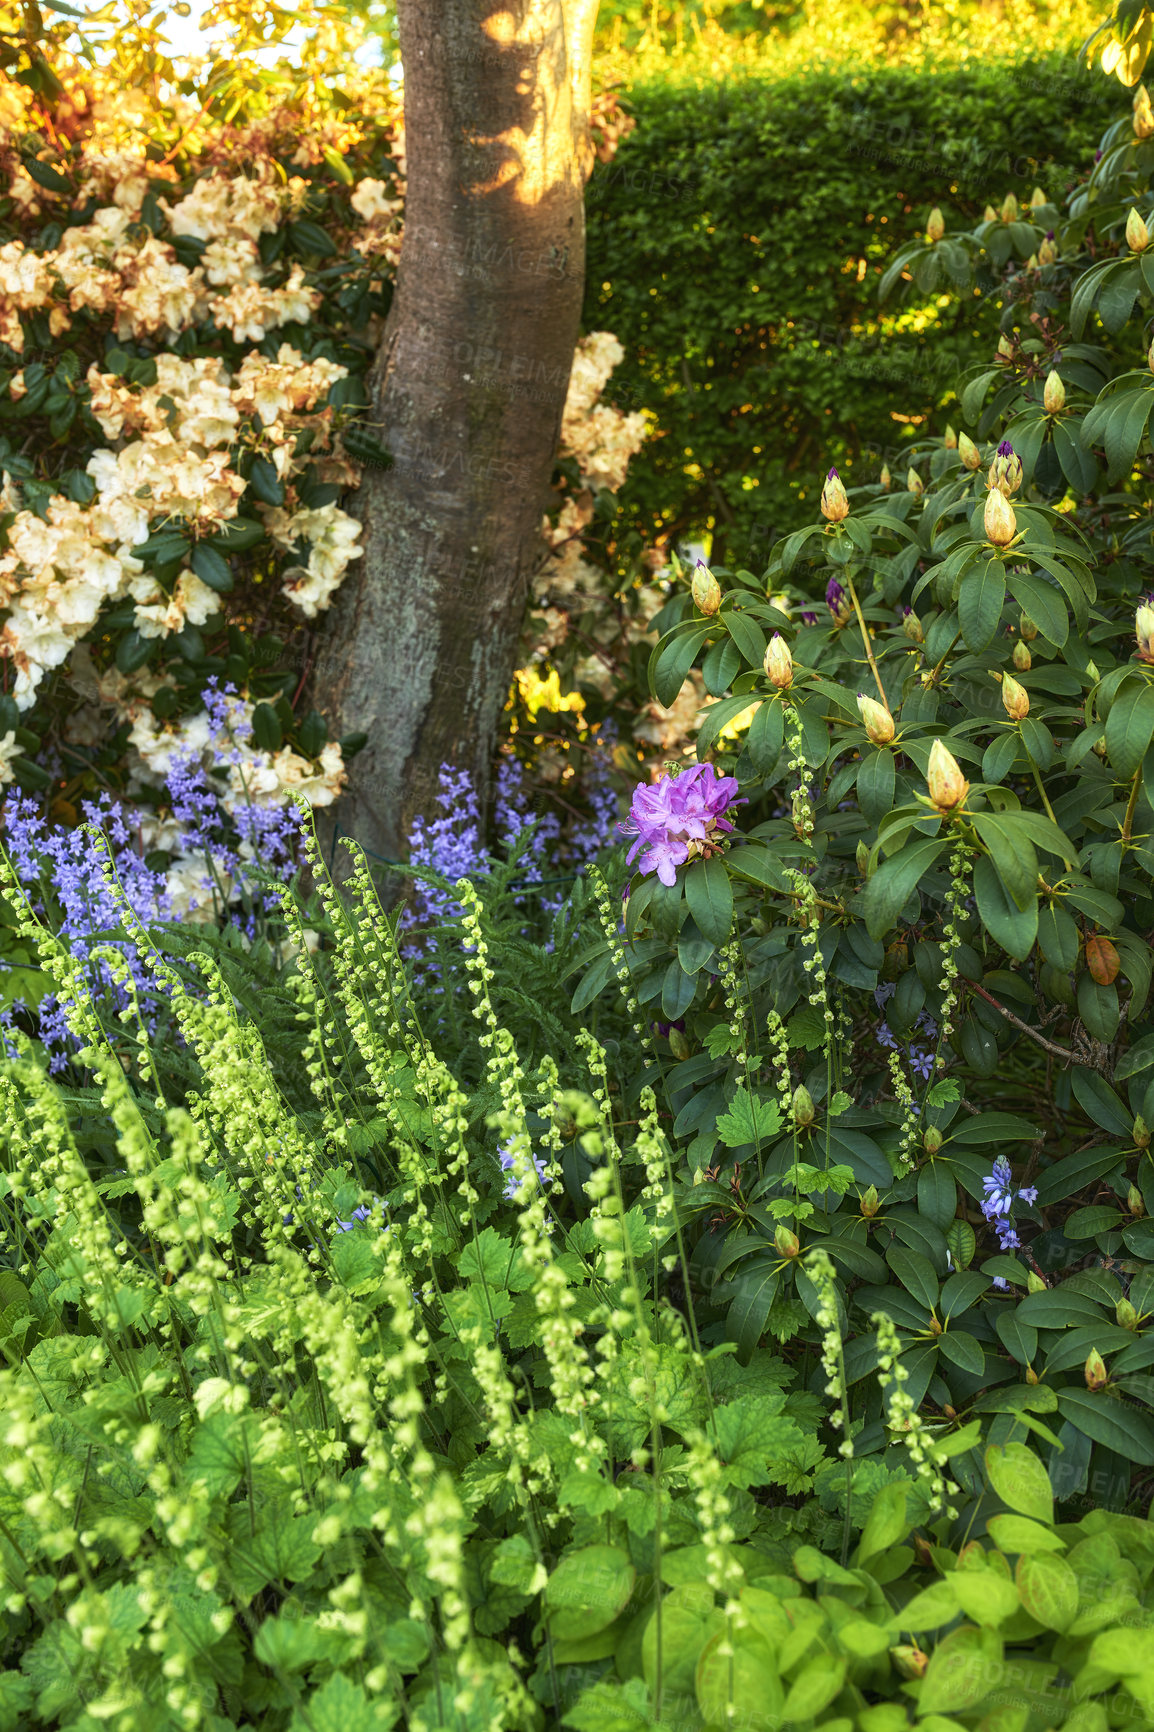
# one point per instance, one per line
(186, 311)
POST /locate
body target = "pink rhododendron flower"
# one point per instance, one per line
(679, 818)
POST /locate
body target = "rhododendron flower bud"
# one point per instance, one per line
(912, 626)
(936, 226)
(1031, 1374)
(706, 589)
(1048, 251)
(932, 1140)
(885, 478)
(951, 439)
(1005, 349)
(803, 1108)
(999, 521)
(1125, 1315)
(1022, 658)
(914, 483)
(968, 452)
(17, 387)
(1095, 1371)
(1135, 1202)
(788, 1244)
(782, 603)
(1137, 234)
(1006, 469)
(678, 1045)
(1037, 197)
(869, 1202)
(989, 215)
(1143, 113)
(947, 786)
(1027, 628)
(838, 602)
(1009, 212)
(778, 662)
(1053, 394)
(862, 858)
(1141, 1133)
(1015, 699)
(876, 720)
(1144, 631)
(834, 504)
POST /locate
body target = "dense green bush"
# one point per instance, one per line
(736, 243)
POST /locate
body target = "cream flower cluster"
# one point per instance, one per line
(172, 465)
(255, 777)
(112, 266)
(602, 439)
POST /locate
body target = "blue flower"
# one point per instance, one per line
(505, 1156)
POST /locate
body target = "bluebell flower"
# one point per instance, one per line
(505, 1156)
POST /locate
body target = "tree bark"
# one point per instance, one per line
(467, 391)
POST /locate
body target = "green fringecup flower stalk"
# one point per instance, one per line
(551, 1140)
(904, 1095)
(779, 1051)
(820, 1270)
(802, 801)
(652, 1150)
(813, 964)
(571, 1375)
(608, 921)
(599, 1089)
(729, 961)
(724, 1574)
(952, 942)
(905, 1418)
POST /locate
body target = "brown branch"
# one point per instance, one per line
(1061, 1052)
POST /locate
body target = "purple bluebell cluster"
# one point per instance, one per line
(451, 845)
(62, 874)
(505, 1156)
(678, 818)
(999, 1199)
(920, 1058)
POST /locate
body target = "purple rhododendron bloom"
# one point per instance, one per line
(679, 817)
(837, 601)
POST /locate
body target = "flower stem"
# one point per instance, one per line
(1128, 821)
(865, 638)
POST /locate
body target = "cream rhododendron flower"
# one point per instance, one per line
(374, 204)
(333, 537)
(251, 311)
(191, 603)
(222, 207)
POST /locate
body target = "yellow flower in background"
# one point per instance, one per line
(545, 694)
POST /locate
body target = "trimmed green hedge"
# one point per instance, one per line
(736, 243)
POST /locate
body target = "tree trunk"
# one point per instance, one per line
(467, 393)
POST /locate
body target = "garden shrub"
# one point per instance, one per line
(905, 1005)
(735, 247)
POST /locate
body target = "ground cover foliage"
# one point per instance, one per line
(727, 1308)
